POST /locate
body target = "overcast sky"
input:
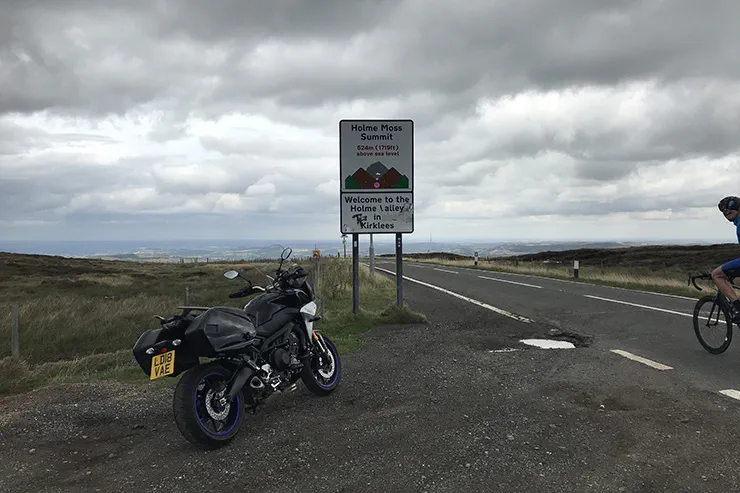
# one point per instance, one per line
(146, 119)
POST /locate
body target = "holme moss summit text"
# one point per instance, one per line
(376, 128)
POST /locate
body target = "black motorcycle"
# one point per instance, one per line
(264, 348)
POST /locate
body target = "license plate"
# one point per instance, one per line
(163, 365)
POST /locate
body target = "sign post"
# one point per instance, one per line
(376, 173)
(372, 256)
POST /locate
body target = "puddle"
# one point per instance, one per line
(548, 343)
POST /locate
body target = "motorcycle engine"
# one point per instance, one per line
(281, 358)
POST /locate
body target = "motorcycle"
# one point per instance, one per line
(258, 350)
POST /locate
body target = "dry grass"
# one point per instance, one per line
(669, 281)
(82, 319)
(18, 375)
(376, 298)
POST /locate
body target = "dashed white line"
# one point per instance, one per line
(511, 282)
(731, 393)
(471, 300)
(638, 305)
(445, 270)
(654, 364)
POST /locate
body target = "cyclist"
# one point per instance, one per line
(730, 208)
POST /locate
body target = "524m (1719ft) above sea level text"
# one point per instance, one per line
(378, 147)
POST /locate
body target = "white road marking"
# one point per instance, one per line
(657, 294)
(512, 282)
(638, 305)
(654, 364)
(731, 393)
(471, 300)
(445, 270)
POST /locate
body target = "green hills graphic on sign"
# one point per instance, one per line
(376, 176)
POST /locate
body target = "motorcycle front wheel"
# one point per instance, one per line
(322, 373)
(198, 414)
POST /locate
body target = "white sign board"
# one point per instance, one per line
(376, 167)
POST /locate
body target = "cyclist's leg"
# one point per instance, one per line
(722, 275)
(721, 279)
(731, 270)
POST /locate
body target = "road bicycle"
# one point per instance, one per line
(721, 305)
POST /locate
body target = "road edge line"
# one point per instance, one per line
(500, 311)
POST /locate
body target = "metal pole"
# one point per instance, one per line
(372, 256)
(15, 337)
(399, 270)
(355, 273)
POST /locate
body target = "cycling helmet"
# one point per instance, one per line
(729, 203)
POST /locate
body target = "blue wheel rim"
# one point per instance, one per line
(205, 420)
(335, 376)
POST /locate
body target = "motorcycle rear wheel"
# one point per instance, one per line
(198, 415)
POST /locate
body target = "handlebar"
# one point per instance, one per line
(704, 276)
(245, 291)
(282, 277)
(248, 290)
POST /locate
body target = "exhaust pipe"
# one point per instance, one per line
(256, 383)
(240, 378)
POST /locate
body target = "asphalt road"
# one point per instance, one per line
(654, 326)
(444, 406)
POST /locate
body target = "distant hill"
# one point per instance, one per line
(690, 257)
(646, 257)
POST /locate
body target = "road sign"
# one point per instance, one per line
(376, 167)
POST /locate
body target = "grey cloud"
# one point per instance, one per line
(15, 139)
(452, 49)
(271, 146)
(47, 187)
(47, 184)
(293, 19)
(604, 171)
(691, 121)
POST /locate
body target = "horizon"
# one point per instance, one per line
(242, 248)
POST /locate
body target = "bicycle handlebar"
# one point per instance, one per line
(705, 276)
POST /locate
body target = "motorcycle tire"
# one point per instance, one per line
(198, 415)
(317, 380)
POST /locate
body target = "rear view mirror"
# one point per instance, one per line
(231, 274)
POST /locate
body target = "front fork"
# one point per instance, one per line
(319, 340)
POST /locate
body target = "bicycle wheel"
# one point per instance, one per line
(708, 318)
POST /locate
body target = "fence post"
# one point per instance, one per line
(187, 296)
(575, 269)
(15, 341)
